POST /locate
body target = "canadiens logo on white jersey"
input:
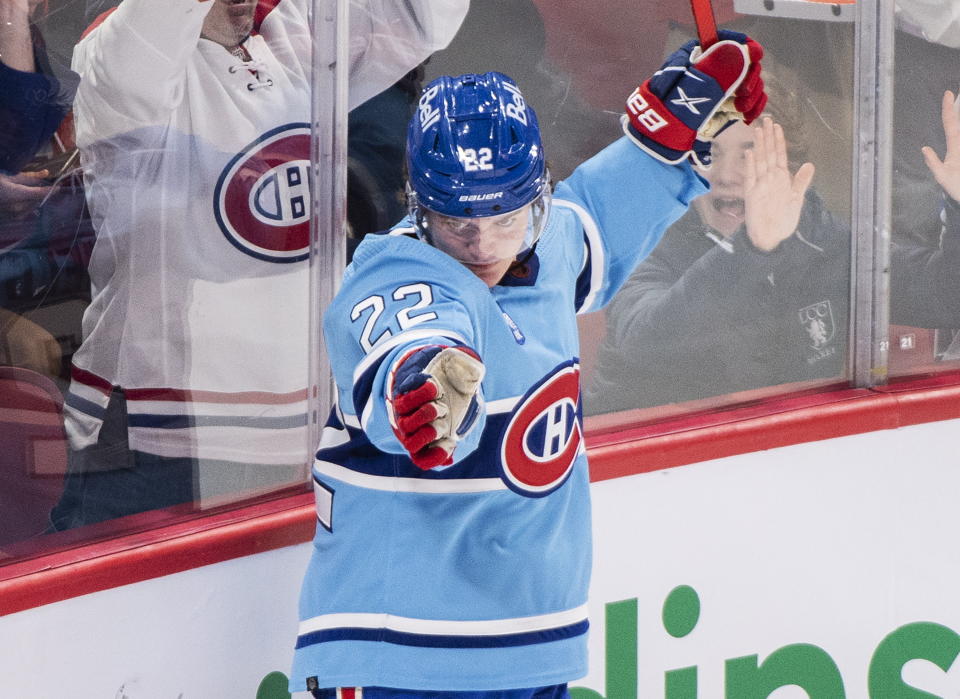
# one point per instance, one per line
(544, 438)
(262, 198)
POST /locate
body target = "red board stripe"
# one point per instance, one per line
(291, 520)
(155, 553)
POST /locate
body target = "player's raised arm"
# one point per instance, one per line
(631, 192)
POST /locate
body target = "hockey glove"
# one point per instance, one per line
(435, 401)
(694, 96)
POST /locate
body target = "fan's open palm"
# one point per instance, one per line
(947, 171)
(773, 197)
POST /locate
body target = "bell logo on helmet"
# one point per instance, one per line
(262, 198)
(429, 114)
(518, 107)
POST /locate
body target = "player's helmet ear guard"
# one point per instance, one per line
(474, 149)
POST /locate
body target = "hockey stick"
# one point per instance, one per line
(706, 24)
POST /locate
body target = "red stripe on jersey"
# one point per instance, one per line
(264, 7)
(87, 378)
(192, 396)
(97, 22)
(90, 379)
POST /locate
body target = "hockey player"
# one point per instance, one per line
(453, 546)
(193, 122)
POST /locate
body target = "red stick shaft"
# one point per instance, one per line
(706, 24)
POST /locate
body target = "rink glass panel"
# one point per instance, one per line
(201, 234)
(674, 345)
(576, 69)
(925, 281)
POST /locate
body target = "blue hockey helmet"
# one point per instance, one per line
(473, 150)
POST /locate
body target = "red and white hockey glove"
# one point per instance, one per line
(435, 401)
(694, 96)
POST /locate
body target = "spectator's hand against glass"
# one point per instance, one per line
(947, 171)
(22, 193)
(773, 198)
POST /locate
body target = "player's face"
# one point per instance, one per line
(229, 21)
(722, 208)
(486, 245)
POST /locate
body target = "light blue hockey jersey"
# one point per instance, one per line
(474, 576)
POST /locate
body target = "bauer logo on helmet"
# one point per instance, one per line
(481, 197)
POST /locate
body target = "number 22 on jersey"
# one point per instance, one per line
(372, 308)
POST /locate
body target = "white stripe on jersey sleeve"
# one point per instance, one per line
(380, 350)
(332, 437)
(409, 336)
(503, 405)
(597, 256)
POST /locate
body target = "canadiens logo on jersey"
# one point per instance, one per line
(262, 198)
(543, 437)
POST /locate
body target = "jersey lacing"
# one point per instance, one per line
(258, 69)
